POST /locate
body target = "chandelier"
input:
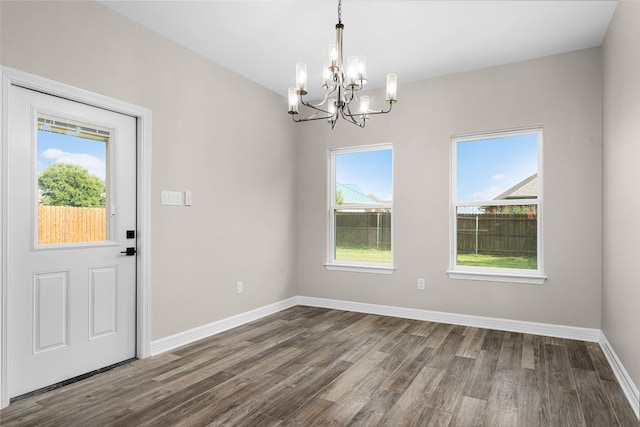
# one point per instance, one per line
(341, 85)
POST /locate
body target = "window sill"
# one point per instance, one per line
(355, 268)
(497, 277)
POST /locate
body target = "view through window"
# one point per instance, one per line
(71, 177)
(361, 207)
(497, 201)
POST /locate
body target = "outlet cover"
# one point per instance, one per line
(421, 284)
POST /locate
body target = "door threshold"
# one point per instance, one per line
(69, 381)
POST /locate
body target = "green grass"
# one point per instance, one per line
(363, 254)
(469, 260)
(496, 261)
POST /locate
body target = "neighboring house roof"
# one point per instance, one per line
(351, 193)
(377, 199)
(525, 189)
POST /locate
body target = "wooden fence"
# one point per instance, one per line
(66, 224)
(498, 234)
(363, 230)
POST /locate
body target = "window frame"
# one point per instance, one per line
(102, 133)
(332, 206)
(510, 275)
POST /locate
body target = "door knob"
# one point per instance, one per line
(130, 251)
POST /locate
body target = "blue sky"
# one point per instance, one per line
(55, 147)
(486, 168)
(370, 170)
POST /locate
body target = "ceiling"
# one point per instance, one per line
(263, 40)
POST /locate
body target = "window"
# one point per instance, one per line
(360, 213)
(72, 179)
(497, 207)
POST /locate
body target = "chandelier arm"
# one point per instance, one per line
(310, 118)
(326, 96)
(351, 118)
(371, 113)
(350, 95)
(356, 88)
(348, 109)
(383, 111)
(317, 108)
(313, 116)
(318, 104)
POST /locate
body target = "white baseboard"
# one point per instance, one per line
(187, 337)
(570, 332)
(624, 379)
(545, 329)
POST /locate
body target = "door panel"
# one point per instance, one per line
(51, 311)
(71, 299)
(103, 309)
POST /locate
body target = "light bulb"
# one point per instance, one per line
(327, 76)
(352, 72)
(362, 70)
(392, 87)
(301, 78)
(364, 104)
(333, 53)
(293, 101)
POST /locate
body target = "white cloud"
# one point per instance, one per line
(93, 164)
(498, 176)
(487, 194)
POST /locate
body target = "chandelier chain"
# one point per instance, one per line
(339, 11)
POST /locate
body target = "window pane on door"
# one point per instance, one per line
(72, 182)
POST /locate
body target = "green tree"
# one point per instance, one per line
(339, 197)
(64, 184)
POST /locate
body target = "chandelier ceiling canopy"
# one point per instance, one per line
(342, 85)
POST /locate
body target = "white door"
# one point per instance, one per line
(71, 290)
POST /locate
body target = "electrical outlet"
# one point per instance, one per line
(421, 284)
(239, 287)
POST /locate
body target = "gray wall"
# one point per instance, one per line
(234, 163)
(560, 93)
(621, 197)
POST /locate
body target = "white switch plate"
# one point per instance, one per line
(239, 287)
(187, 198)
(421, 284)
(172, 198)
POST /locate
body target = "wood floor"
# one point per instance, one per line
(309, 366)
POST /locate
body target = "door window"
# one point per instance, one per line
(72, 195)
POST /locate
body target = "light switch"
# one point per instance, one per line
(187, 198)
(172, 198)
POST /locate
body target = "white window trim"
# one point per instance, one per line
(508, 275)
(354, 266)
(500, 275)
